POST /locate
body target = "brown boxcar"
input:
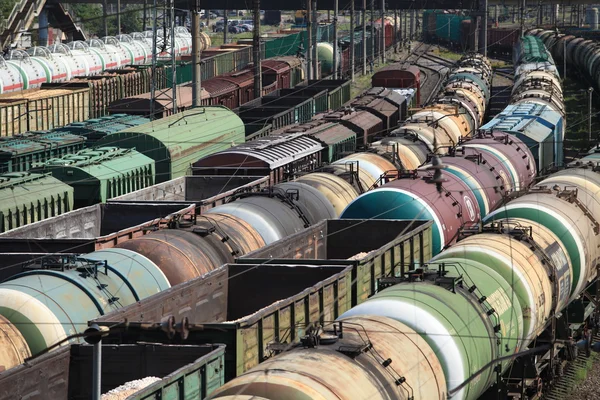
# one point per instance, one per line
(397, 76)
(366, 125)
(279, 157)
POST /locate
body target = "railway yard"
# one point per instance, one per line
(404, 218)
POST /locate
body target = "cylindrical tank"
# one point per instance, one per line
(410, 150)
(325, 373)
(77, 66)
(57, 71)
(337, 191)
(50, 304)
(136, 50)
(449, 126)
(314, 205)
(452, 325)
(521, 269)
(110, 57)
(23, 73)
(114, 45)
(567, 222)
(187, 253)
(80, 48)
(507, 155)
(271, 217)
(11, 79)
(13, 345)
(325, 53)
(451, 209)
(371, 167)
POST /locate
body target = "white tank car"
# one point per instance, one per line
(80, 48)
(109, 55)
(11, 79)
(77, 65)
(32, 73)
(55, 69)
(137, 49)
(124, 54)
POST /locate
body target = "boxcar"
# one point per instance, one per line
(99, 174)
(177, 141)
(29, 197)
(17, 153)
(397, 76)
(278, 156)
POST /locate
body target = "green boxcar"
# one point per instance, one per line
(338, 91)
(102, 173)
(29, 197)
(177, 141)
(447, 27)
(195, 381)
(96, 128)
(340, 140)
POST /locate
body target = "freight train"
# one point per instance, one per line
(456, 29)
(453, 326)
(28, 69)
(246, 223)
(532, 126)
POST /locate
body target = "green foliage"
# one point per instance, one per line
(6, 7)
(90, 16)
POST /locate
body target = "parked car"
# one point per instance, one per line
(234, 29)
(246, 27)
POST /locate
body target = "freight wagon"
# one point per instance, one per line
(27, 197)
(18, 153)
(230, 89)
(457, 30)
(318, 280)
(177, 141)
(193, 371)
(99, 174)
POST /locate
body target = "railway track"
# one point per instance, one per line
(568, 378)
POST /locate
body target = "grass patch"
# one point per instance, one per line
(447, 54)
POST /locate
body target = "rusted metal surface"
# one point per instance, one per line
(142, 104)
(13, 345)
(181, 255)
(389, 113)
(366, 125)
(339, 192)
(326, 372)
(45, 377)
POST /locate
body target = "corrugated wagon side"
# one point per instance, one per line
(29, 197)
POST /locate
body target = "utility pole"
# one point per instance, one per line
(118, 17)
(522, 17)
(372, 32)
(590, 91)
(196, 43)
(105, 16)
(335, 39)
(315, 39)
(256, 49)
(382, 46)
(225, 26)
(308, 18)
(364, 36)
(484, 28)
(145, 17)
(352, 55)
(173, 55)
(395, 31)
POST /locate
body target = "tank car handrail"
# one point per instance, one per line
(113, 41)
(20, 55)
(60, 49)
(96, 43)
(35, 52)
(125, 38)
(78, 45)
